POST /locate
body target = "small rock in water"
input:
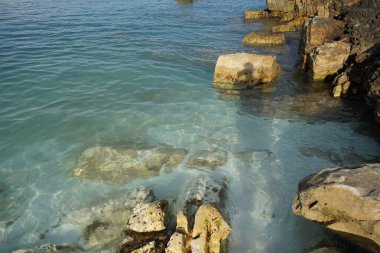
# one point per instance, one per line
(120, 165)
(148, 217)
(255, 38)
(242, 70)
(210, 230)
(102, 223)
(207, 159)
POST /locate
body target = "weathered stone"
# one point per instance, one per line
(204, 190)
(147, 248)
(51, 248)
(326, 60)
(344, 200)
(281, 5)
(210, 230)
(101, 224)
(182, 223)
(291, 26)
(242, 70)
(255, 14)
(254, 38)
(341, 85)
(207, 159)
(315, 32)
(148, 217)
(176, 243)
(120, 165)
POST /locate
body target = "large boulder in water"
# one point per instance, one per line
(243, 70)
(120, 165)
(344, 200)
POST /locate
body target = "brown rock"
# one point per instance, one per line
(315, 32)
(341, 85)
(344, 200)
(255, 14)
(291, 26)
(254, 38)
(281, 5)
(242, 70)
(327, 59)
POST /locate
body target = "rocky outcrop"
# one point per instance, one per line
(291, 26)
(207, 159)
(242, 70)
(324, 61)
(344, 200)
(120, 165)
(255, 38)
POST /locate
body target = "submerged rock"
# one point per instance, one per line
(326, 60)
(102, 223)
(207, 159)
(242, 70)
(344, 200)
(210, 230)
(51, 248)
(120, 165)
(254, 38)
(184, 1)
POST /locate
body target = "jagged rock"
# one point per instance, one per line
(291, 26)
(341, 85)
(120, 165)
(242, 70)
(176, 243)
(255, 14)
(204, 190)
(182, 223)
(148, 217)
(315, 32)
(326, 250)
(281, 5)
(101, 224)
(326, 60)
(147, 248)
(210, 230)
(51, 248)
(254, 38)
(207, 159)
(344, 200)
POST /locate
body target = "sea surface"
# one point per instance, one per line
(79, 74)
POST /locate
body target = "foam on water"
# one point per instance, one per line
(77, 74)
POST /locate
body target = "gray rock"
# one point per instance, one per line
(120, 165)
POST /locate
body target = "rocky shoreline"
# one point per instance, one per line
(339, 43)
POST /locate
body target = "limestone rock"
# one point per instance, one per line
(327, 59)
(210, 230)
(291, 26)
(255, 14)
(182, 223)
(147, 248)
(176, 243)
(242, 70)
(281, 5)
(148, 217)
(315, 32)
(101, 223)
(344, 200)
(204, 190)
(254, 38)
(207, 159)
(51, 248)
(120, 165)
(341, 85)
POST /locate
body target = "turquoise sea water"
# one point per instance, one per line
(76, 74)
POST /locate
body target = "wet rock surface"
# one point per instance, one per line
(344, 200)
(207, 159)
(242, 70)
(51, 248)
(255, 38)
(120, 165)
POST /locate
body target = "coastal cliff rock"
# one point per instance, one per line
(242, 70)
(344, 200)
(120, 165)
(255, 38)
(324, 61)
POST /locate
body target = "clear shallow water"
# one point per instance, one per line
(76, 74)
